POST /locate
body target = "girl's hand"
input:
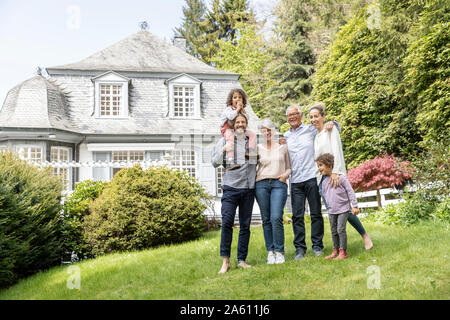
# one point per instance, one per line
(355, 211)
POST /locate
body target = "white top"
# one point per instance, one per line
(330, 142)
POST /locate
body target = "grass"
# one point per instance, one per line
(413, 263)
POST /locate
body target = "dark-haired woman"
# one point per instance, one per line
(330, 142)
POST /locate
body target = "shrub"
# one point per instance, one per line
(442, 211)
(409, 212)
(385, 171)
(140, 209)
(30, 222)
(76, 208)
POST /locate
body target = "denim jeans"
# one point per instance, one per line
(352, 219)
(233, 198)
(299, 193)
(271, 195)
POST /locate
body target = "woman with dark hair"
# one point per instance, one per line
(330, 142)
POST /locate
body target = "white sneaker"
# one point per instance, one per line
(279, 258)
(271, 257)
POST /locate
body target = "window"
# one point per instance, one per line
(219, 175)
(31, 153)
(183, 102)
(184, 97)
(184, 160)
(126, 156)
(111, 95)
(110, 100)
(61, 154)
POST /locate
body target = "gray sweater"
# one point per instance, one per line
(242, 178)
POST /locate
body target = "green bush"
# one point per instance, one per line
(76, 208)
(416, 207)
(140, 209)
(30, 221)
(442, 211)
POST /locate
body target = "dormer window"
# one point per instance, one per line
(111, 95)
(184, 97)
(110, 100)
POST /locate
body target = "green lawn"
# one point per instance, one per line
(413, 263)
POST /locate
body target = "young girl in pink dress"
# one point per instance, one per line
(236, 103)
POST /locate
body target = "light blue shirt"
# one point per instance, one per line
(300, 144)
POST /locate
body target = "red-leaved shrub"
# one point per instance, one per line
(385, 171)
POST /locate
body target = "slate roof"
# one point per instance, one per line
(66, 102)
(143, 52)
(36, 103)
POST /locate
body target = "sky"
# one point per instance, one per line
(49, 33)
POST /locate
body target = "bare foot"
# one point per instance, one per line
(242, 264)
(367, 242)
(225, 267)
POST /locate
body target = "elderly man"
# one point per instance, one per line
(300, 141)
(238, 186)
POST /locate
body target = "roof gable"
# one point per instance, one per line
(111, 76)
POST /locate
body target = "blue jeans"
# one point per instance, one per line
(271, 195)
(233, 198)
(352, 219)
(299, 193)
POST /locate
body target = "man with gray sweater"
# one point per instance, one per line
(238, 186)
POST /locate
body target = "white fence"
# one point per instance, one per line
(374, 204)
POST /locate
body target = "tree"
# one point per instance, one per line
(360, 78)
(194, 15)
(428, 70)
(249, 56)
(384, 171)
(293, 58)
(221, 24)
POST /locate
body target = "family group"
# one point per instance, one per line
(310, 157)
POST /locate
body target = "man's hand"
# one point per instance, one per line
(334, 180)
(355, 211)
(329, 125)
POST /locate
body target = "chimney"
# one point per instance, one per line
(180, 42)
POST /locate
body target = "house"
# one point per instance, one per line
(139, 99)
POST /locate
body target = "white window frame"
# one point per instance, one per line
(68, 187)
(128, 154)
(183, 164)
(18, 147)
(111, 78)
(185, 81)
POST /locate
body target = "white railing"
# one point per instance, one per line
(373, 193)
(102, 164)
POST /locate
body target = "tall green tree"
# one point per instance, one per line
(428, 72)
(190, 29)
(361, 81)
(294, 59)
(220, 23)
(249, 56)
